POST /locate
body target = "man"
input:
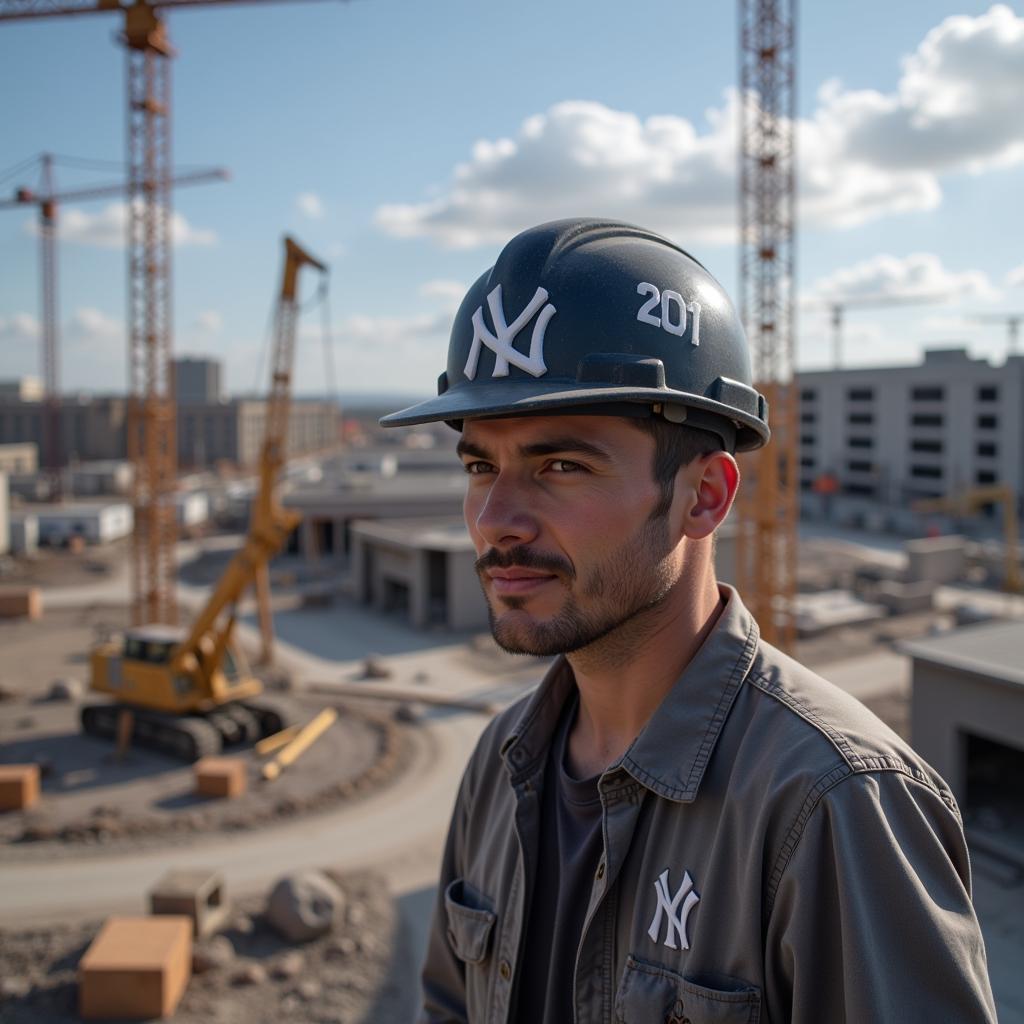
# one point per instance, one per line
(681, 824)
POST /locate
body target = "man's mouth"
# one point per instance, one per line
(514, 581)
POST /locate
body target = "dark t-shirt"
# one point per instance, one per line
(569, 852)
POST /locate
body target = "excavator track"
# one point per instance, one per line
(273, 715)
(185, 737)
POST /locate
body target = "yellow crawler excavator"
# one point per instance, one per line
(190, 691)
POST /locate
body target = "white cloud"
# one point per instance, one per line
(94, 330)
(1015, 278)
(209, 321)
(863, 154)
(310, 205)
(377, 353)
(449, 292)
(919, 276)
(21, 327)
(108, 228)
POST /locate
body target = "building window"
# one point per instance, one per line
(985, 476)
(930, 394)
(867, 490)
(926, 446)
(926, 472)
(860, 394)
(988, 393)
(987, 422)
(859, 466)
(807, 417)
(807, 461)
(860, 418)
(808, 395)
(923, 419)
(987, 448)
(808, 440)
(861, 442)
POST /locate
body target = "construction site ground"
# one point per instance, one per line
(394, 829)
(94, 799)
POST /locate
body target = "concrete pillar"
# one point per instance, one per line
(419, 590)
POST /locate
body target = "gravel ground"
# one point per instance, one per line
(343, 977)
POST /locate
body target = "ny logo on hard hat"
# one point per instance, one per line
(501, 343)
(677, 915)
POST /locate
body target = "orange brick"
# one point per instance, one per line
(137, 967)
(19, 786)
(220, 776)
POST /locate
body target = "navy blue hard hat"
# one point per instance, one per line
(592, 315)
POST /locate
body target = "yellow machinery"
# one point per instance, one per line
(967, 503)
(190, 690)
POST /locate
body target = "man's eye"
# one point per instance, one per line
(477, 468)
(565, 466)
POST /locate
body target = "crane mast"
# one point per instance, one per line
(269, 523)
(767, 522)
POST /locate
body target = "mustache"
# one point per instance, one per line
(524, 558)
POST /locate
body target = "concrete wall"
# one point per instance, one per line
(467, 606)
(5, 513)
(98, 524)
(24, 535)
(946, 704)
(936, 559)
(19, 458)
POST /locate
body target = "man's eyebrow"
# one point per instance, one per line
(565, 446)
(465, 447)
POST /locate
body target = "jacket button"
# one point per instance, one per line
(600, 871)
(505, 970)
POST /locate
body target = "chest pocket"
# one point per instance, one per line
(469, 922)
(649, 994)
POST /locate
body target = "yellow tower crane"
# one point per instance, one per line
(191, 691)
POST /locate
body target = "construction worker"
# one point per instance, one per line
(681, 823)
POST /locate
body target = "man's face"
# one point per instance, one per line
(559, 509)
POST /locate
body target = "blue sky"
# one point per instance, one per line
(381, 131)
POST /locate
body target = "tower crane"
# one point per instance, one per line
(1012, 321)
(151, 417)
(837, 310)
(48, 201)
(190, 691)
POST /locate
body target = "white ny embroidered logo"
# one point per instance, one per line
(501, 344)
(677, 915)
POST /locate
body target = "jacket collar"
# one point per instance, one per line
(672, 751)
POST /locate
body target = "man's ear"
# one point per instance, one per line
(712, 482)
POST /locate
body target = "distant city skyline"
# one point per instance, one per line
(403, 143)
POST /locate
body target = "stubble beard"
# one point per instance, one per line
(614, 610)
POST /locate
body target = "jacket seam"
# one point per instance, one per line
(736, 676)
(857, 762)
(729, 691)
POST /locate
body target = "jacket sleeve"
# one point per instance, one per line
(872, 919)
(444, 974)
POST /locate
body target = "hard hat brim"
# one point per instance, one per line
(505, 398)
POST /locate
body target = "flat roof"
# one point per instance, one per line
(437, 533)
(994, 650)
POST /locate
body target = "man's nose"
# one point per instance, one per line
(503, 516)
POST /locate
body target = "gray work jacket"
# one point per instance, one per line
(772, 852)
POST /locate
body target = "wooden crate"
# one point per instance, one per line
(136, 968)
(19, 786)
(20, 603)
(220, 776)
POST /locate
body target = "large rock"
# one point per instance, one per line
(66, 690)
(304, 906)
